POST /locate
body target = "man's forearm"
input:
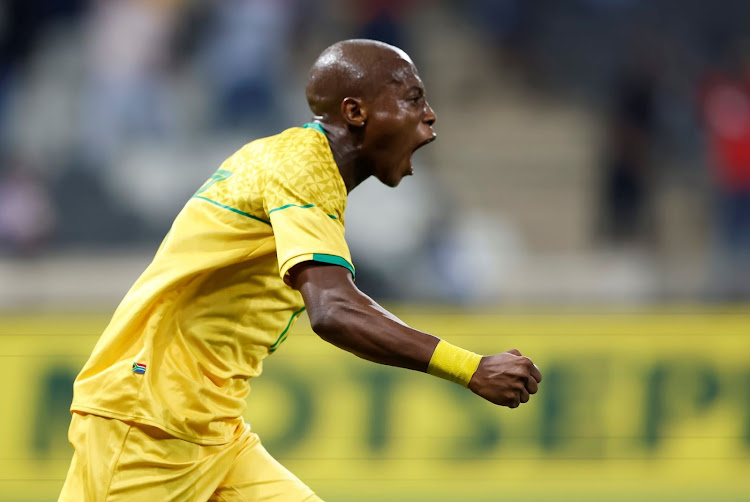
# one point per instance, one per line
(367, 330)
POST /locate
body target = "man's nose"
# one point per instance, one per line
(429, 116)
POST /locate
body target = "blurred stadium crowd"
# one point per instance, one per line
(587, 147)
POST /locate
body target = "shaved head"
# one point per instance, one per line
(370, 103)
(356, 68)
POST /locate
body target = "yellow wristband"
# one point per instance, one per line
(453, 363)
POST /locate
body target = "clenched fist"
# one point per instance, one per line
(506, 379)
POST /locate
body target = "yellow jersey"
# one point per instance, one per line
(215, 301)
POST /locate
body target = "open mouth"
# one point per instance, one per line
(425, 142)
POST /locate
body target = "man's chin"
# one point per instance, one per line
(397, 178)
(392, 178)
(392, 182)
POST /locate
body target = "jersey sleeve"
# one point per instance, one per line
(305, 205)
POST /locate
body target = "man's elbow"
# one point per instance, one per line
(326, 322)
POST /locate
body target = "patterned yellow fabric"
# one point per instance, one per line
(213, 304)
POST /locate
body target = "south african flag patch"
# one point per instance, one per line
(139, 368)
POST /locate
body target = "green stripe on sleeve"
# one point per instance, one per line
(281, 337)
(233, 209)
(333, 260)
(306, 206)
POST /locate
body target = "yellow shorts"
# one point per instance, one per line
(118, 461)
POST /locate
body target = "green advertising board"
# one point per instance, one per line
(650, 406)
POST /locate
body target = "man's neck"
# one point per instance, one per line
(347, 155)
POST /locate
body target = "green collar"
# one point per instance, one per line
(314, 125)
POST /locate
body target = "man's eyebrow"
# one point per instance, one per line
(408, 89)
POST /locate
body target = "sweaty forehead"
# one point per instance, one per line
(391, 68)
(405, 74)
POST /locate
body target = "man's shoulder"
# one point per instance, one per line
(296, 152)
(304, 164)
(297, 146)
(291, 141)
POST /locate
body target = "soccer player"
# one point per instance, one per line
(157, 409)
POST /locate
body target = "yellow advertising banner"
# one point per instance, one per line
(649, 406)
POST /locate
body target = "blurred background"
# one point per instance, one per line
(587, 201)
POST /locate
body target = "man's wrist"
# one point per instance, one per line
(453, 363)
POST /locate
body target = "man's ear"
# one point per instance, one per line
(354, 112)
